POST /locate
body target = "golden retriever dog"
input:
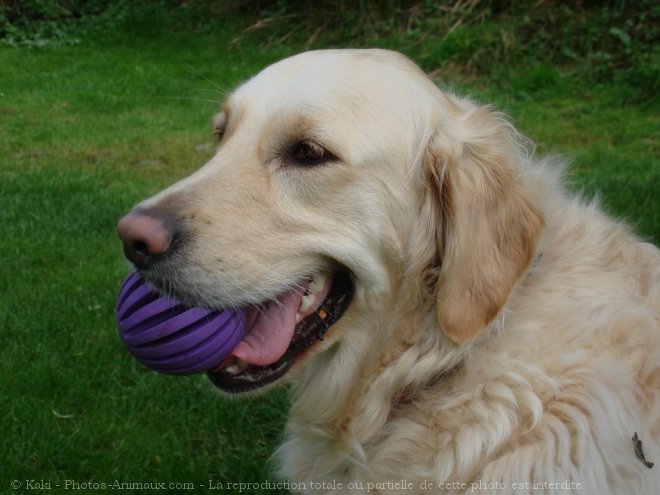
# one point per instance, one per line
(450, 318)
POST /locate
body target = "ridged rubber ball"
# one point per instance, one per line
(171, 338)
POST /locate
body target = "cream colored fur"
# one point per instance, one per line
(503, 330)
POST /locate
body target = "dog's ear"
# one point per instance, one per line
(488, 225)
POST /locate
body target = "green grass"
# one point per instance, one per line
(90, 129)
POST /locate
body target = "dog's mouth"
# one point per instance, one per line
(279, 331)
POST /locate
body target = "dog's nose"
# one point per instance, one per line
(145, 238)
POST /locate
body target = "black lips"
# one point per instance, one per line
(307, 332)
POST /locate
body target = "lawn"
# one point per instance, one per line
(88, 130)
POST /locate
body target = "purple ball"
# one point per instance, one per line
(171, 338)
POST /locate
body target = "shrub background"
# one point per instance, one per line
(599, 40)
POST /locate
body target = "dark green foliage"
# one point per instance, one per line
(601, 41)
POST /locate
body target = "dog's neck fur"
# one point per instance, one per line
(333, 424)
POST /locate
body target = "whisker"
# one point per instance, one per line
(207, 90)
(215, 102)
(222, 91)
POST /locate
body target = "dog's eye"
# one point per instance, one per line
(309, 153)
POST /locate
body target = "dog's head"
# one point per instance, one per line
(336, 173)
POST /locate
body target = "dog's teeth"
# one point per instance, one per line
(317, 282)
(298, 318)
(238, 366)
(232, 370)
(306, 302)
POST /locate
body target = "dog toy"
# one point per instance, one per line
(171, 338)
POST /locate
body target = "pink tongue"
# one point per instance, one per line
(269, 336)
